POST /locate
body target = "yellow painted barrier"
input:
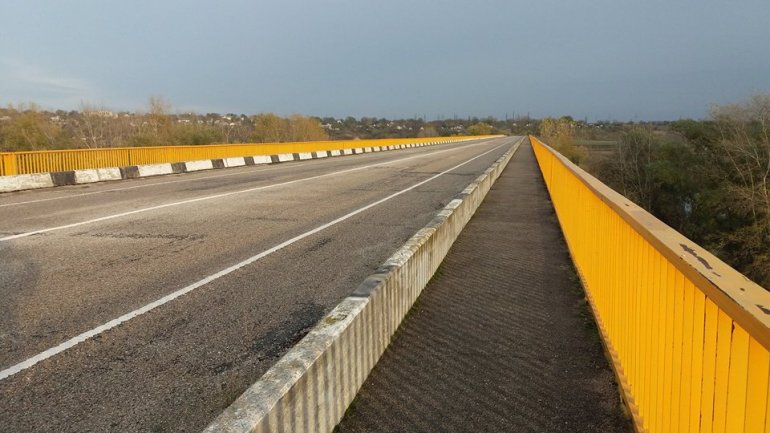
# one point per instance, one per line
(77, 159)
(687, 334)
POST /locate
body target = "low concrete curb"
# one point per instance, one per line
(311, 386)
(76, 177)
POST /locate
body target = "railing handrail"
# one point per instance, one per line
(218, 145)
(745, 301)
(687, 335)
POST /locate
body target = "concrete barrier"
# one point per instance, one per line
(262, 159)
(204, 164)
(234, 162)
(97, 175)
(311, 386)
(154, 169)
(25, 181)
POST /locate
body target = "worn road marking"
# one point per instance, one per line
(171, 296)
(215, 196)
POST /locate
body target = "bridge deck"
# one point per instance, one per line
(501, 339)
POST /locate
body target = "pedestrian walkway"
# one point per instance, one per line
(501, 339)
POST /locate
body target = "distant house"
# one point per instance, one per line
(101, 113)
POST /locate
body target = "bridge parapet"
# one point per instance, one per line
(12, 163)
(687, 334)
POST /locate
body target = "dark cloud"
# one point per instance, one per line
(600, 59)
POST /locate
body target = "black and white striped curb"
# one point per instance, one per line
(311, 386)
(76, 177)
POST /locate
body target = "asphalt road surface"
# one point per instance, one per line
(150, 305)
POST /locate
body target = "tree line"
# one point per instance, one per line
(28, 127)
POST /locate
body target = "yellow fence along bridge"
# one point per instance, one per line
(688, 336)
(43, 161)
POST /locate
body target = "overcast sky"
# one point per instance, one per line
(601, 59)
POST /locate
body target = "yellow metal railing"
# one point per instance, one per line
(76, 159)
(687, 334)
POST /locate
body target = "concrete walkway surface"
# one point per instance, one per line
(501, 340)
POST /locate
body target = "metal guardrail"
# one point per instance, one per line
(76, 159)
(687, 334)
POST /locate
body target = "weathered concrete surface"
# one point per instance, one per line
(199, 165)
(154, 169)
(97, 175)
(25, 181)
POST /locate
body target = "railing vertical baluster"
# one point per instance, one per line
(689, 336)
(686, 370)
(758, 376)
(736, 384)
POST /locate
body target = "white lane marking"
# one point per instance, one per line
(171, 296)
(145, 185)
(215, 196)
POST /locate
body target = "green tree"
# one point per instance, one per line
(271, 128)
(480, 128)
(268, 128)
(559, 134)
(185, 134)
(712, 183)
(155, 126)
(430, 131)
(301, 128)
(29, 129)
(742, 151)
